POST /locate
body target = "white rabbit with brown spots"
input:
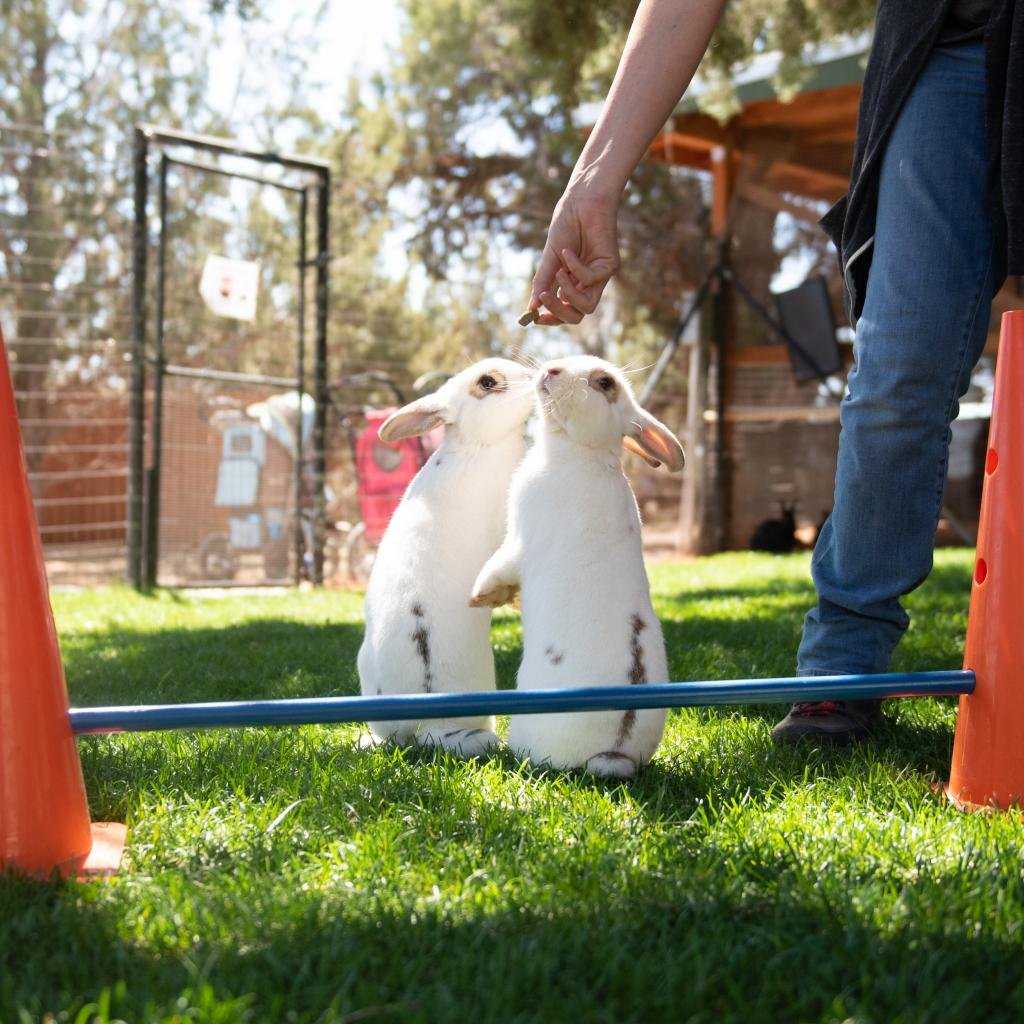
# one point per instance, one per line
(573, 550)
(421, 636)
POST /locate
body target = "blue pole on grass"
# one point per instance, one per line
(322, 710)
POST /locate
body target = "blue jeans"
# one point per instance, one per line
(923, 327)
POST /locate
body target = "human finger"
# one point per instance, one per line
(598, 271)
(583, 299)
(544, 278)
(548, 320)
(564, 313)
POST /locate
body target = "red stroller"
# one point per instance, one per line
(383, 471)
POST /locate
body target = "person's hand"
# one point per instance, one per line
(580, 256)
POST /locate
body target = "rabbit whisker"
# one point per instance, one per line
(636, 369)
(552, 403)
(525, 359)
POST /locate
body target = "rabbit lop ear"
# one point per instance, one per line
(413, 419)
(634, 446)
(654, 442)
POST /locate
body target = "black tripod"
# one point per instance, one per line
(720, 274)
(717, 277)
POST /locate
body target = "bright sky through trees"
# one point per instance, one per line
(354, 37)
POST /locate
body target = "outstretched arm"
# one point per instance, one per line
(664, 47)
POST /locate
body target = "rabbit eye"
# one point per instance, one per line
(488, 384)
(604, 384)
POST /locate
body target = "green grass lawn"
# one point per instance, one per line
(285, 875)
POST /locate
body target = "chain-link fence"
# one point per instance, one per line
(64, 308)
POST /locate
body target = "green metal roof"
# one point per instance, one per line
(847, 69)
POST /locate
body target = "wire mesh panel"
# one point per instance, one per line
(219, 230)
(65, 266)
(229, 422)
(227, 503)
(227, 304)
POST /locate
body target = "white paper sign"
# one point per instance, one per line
(229, 287)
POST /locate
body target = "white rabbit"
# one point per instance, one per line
(573, 548)
(421, 636)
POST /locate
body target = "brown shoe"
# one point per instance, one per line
(837, 722)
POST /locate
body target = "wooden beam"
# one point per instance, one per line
(781, 145)
(770, 199)
(842, 133)
(681, 151)
(723, 177)
(807, 110)
(807, 181)
(701, 126)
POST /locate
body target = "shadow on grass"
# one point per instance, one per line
(731, 648)
(779, 588)
(950, 582)
(257, 659)
(720, 769)
(947, 584)
(269, 657)
(275, 659)
(734, 771)
(699, 938)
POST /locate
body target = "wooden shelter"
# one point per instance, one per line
(768, 440)
(802, 147)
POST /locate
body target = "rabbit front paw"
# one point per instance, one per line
(494, 595)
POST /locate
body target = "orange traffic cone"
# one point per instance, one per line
(44, 818)
(988, 751)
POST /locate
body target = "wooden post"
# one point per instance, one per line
(722, 184)
(688, 540)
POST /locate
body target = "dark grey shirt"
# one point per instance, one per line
(905, 33)
(966, 21)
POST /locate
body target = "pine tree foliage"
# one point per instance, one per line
(491, 102)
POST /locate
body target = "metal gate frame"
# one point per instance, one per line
(143, 481)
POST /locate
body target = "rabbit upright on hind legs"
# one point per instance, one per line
(420, 635)
(573, 548)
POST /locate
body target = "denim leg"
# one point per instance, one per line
(922, 330)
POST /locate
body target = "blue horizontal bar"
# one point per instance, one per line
(313, 710)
